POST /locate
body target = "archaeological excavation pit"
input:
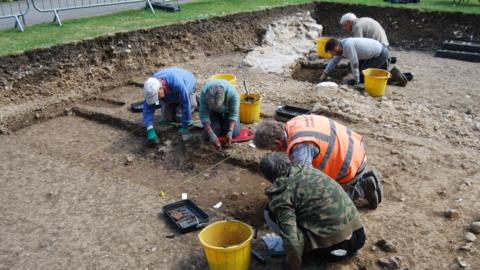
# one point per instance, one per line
(310, 71)
(81, 189)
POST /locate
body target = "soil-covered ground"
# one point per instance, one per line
(59, 198)
(82, 190)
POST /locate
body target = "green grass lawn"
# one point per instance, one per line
(42, 35)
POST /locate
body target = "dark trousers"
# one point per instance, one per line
(172, 112)
(351, 245)
(220, 124)
(381, 61)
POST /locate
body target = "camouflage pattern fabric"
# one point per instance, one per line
(312, 211)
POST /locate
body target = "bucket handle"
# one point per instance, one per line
(246, 88)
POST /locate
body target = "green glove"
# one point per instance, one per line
(183, 131)
(152, 136)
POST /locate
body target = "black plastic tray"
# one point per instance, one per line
(138, 106)
(198, 218)
(459, 55)
(455, 45)
(288, 112)
(164, 6)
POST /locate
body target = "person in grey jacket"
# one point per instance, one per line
(364, 27)
(362, 53)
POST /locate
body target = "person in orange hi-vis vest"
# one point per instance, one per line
(324, 144)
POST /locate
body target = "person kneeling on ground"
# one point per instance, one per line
(173, 88)
(315, 216)
(322, 143)
(219, 111)
(364, 27)
(362, 53)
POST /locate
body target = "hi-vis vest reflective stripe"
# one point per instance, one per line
(341, 151)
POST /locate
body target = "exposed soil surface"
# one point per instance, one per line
(310, 71)
(83, 192)
(406, 28)
(427, 153)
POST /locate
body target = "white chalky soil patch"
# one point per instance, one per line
(284, 42)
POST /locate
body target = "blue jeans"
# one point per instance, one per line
(221, 122)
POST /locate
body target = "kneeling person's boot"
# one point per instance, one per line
(152, 137)
(378, 182)
(397, 78)
(370, 191)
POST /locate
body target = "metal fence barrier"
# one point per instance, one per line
(16, 10)
(58, 5)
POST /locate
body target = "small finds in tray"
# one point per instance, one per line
(185, 215)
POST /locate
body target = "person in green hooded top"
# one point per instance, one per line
(312, 213)
(219, 111)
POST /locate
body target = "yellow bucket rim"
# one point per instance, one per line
(230, 248)
(251, 94)
(215, 76)
(376, 77)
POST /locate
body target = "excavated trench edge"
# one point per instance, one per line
(108, 55)
(91, 66)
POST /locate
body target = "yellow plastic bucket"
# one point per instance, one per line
(250, 111)
(232, 79)
(375, 81)
(227, 245)
(321, 41)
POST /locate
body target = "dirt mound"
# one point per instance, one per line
(45, 80)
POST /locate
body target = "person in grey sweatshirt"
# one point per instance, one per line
(364, 27)
(362, 53)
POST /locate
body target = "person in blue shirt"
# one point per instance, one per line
(173, 88)
(219, 111)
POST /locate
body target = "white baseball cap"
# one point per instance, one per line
(150, 90)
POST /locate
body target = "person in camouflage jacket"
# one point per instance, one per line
(315, 215)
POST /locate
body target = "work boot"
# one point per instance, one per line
(393, 60)
(397, 78)
(378, 182)
(408, 75)
(370, 191)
